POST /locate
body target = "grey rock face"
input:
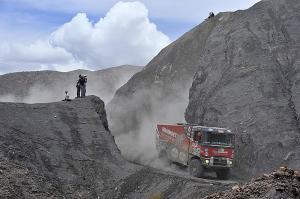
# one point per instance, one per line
(64, 150)
(65, 143)
(248, 80)
(49, 86)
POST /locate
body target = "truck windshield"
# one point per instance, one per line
(220, 138)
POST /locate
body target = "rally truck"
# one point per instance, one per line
(202, 149)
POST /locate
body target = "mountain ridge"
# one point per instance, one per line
(47, 86)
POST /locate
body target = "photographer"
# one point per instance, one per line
(81, 86)
(83, 91)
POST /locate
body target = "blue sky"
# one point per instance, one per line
(24, 22)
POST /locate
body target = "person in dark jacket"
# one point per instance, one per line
(81, 86)
(78, 86)
(211, 15)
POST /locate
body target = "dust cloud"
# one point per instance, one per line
(134, 123)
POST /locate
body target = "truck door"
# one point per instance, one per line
(182, 144)
(194, 146)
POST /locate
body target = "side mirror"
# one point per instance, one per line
(198, 136)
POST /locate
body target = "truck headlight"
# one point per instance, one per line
(207, 161)
(230, 162)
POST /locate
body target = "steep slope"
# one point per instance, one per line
(158, 93)
(248, 80)
(49, 86)
(64, 150)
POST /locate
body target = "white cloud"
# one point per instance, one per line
(39, 55)
(124, 36)
(39, 52)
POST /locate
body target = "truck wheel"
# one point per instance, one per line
(195, 168)
(162, 154)
(223, 174)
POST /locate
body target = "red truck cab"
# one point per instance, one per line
(200, 148)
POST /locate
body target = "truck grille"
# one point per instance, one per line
(219, 161)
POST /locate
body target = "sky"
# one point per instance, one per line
(66, 35)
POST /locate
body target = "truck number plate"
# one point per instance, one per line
(220, 150)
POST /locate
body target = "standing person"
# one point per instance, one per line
(211, 15)
(78, 86)
(83, 92)
(82, 85)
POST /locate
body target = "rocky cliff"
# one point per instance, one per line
(65, 150)
(248, 80)
(58, 149)
(49, 86)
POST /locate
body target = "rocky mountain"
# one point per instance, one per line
(49, 86)
(242, 72)
(65, 150)
(248, 80)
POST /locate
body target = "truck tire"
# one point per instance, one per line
(223, 174)
(162, 154)
(195, 168)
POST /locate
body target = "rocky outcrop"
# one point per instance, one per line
(283, 183)
(49, 86)
(248, 80)
(65, 150)
(65, 144)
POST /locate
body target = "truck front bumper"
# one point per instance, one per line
(217, 162)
